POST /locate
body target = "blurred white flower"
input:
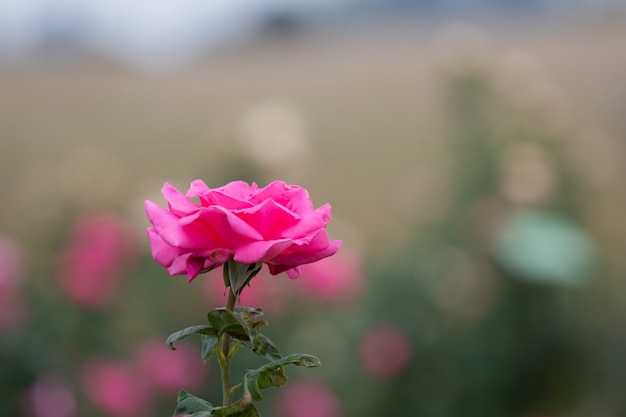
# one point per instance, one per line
(273, 133)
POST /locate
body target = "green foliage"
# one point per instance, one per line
(241, 408)
(191, 406)
(273, 375)
(188, 331)
(224, 321)
(242, 325)
(208, 346)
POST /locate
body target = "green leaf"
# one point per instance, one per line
(256, 312)
(208, 346)
(272, 374)
(267, 348)
(252, 318)
(181, 334)
(224, 321)
(191, 406)
(241, 408)
(264, 347)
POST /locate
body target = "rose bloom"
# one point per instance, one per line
(384, 352)
(92, 264)
(116, 388)
(306, 398)
(276, 225)
(339, 278)
(49, 396)
(170, 370)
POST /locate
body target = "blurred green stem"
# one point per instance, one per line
(224, 357)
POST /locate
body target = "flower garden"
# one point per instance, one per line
(473, 266)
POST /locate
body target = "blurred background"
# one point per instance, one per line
(473, 153)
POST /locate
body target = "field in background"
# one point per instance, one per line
(431, 142)
(370, 100)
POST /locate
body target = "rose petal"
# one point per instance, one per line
(261, 251)
(220, 226)
(177, 202)
(168, 226)
(300, 258)
(270, 219)
(162, 252)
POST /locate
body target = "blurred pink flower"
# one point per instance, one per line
(49, 396)
(11, 261)
(13, 308)
(13, 304)
(171, 370)
(264, 290)
(92, 265)
(117, 389)
(384, 352)
(307, 398)
(276, 225)
(338, 278)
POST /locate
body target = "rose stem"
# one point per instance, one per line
(224, 360)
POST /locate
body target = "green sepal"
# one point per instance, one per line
(192, 406)
(239, 274)
(272, 374)
(208, 346)
(181, 334)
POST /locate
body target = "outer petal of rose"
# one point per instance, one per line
(297, 199)
(300, 258)
(306, 229)
(197, 188)
(219, 198)
(220, 226)
(293, 197)
(177, 202)
(260, 251)
(271, 191)
(173, 231)
(316, 243)
(292, 272)
(324, 212)
(194, 267)
(239, 190)
(231, 196)
(162, 252)
(179, 266)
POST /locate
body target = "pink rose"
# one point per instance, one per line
(276, 225)
(384, 352)
(339, 278)
(11, 261)
(308, 399)
(170, 370)
(118, 389)
(92, 265)
(49, 396)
